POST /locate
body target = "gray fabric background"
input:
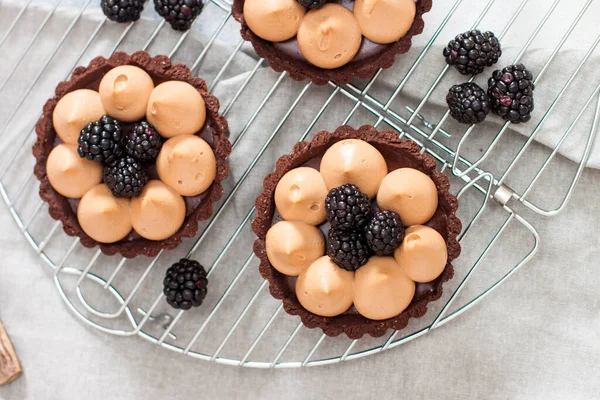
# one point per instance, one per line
(536, 337)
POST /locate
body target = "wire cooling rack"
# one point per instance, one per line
(239, 323)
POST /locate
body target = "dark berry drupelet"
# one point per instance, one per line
(122, 10)
(471, 52)
(185, 284)
(348, 249)
(179, 13)
(468, 103)
(312, 3)
(101, 141)
(126, 177)
(347, 208)
(384, 233)
(142, 142)
(511, 93)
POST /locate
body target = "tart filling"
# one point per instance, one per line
(386, 254)
(149, 137)
(387, 285)
(330, 36)
(186, 163)
(330, 40)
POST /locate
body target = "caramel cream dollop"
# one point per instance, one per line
(158, 212)
(329, 36)
(69, 174)
(381, 289)
(187, 165)
(384, 21)
(300, 196)
(423, 253)
(410, 193)
(274, 20)
(74, 111)
(292, 246)
(176, 108)
(125, 91)
(104, 217)
(353, 161)
(325, 289)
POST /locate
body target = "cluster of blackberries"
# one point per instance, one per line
(179, 13)
(356, 232)
(122, 155)
(510, 91)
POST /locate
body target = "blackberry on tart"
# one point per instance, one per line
(142, 142)
(347, 248)
(348, 208)
(384, 233)
(101, 140)
(126, 177)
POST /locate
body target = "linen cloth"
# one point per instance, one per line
(535, 337)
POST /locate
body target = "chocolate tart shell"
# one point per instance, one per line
(299, 70)
(398, 153)
(160, 69)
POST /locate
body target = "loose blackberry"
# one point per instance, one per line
(126, 178)
(511, 93)
(347, 207)
(142, 142)
(101, 141)
(179, 13)
(384, 233)
(348, 249)
(122, 10)
(471, 52)
(468, 103)
(185, 284)
(312, 3)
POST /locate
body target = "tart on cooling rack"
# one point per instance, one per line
(356, 231)
(330, 40)
(131, 153)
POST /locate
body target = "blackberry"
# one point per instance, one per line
(101, 140)
(468, 103)
(179, 13)
(384, 233)
(347, 207)
(122, 10)
(471, 52)
(185, 284)
(312, 3)
(511, 93)
(348, 249)
(142, 142)
(126, 178)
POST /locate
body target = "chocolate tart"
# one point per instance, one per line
(286, 56)
(214, 132)
(398, 153)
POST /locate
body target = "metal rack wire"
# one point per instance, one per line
(240, 324)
